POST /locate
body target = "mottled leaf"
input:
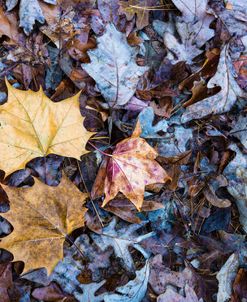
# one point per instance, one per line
(240, 130)
(134, 290)
(191, 10)
(223, 100)
(29, 12)
(113, 67)
(42, 217)
(129, 169)
(120, 240)
(226, 276)
(237, 178)
(172, 296)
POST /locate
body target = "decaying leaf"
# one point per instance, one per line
(31, 125)
(69, 271)
(161, 277)
(192, 35)
(146, 118)
(240, 130)
(7, 27)
(29, 12)
(127, 211)
(140, 8)
(42, 217)
(223, 100)
(172, 296)
(121, 240)
(226, 276)
(232, 13)
(51, 292)
(240, 286)
(129, 169)
(6, 281)
(113, 67)
(237, 177)
(134, 290)
(191, 10)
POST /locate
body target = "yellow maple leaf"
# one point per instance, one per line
(31, 125)
(42, 217)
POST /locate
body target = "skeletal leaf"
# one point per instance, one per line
(129, 169)
(31, 125)
(224, 99)
(29, 12)
(120, 240)
(134, 290)
(113, 67)
(42, 217)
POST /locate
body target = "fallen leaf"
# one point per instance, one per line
(51, 292)
(240, 286)
(233, 19)
(29, 12)
(224, 99)
(113, 67)
(120, 240)
(129, 169)
(161, 276)
(6, 281)
(146, 118)
(127, 211)
(42, 217)
(192, 10)
(226, 277)
(134, 290)
(192, 36)
(76, 268)
(7, 27)
(235, 172)
(211, 196)
(140, 8)
(240, 130)
(219, 220)
(31, 125)
(171, 296)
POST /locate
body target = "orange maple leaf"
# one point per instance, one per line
(129, 169)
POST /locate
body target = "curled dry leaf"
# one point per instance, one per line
(42, 217)
(31, 125)
(113, 67)
(129, 169)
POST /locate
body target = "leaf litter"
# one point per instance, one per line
(123, 150)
